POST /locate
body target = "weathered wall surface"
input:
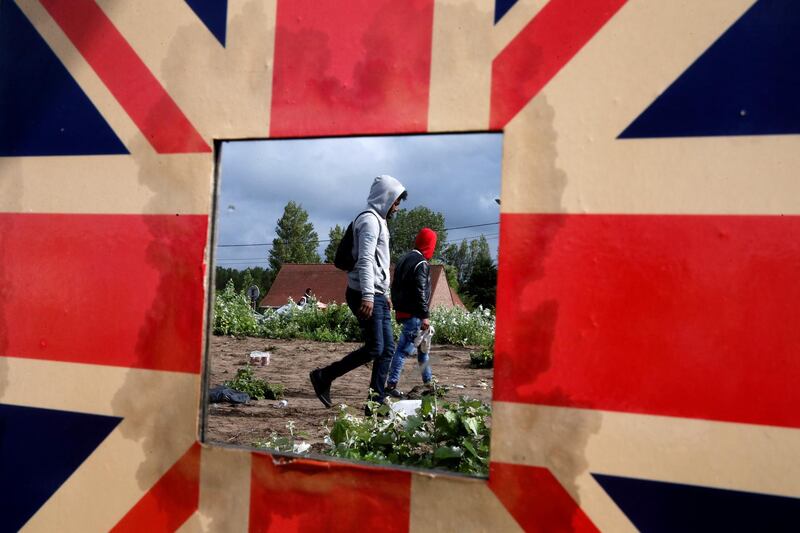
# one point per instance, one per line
(647, 350)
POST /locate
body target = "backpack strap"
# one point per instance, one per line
(379, 230)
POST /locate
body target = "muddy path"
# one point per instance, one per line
(290, 363)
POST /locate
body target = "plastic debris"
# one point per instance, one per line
(261, 358)
(301, 447)
(406, 407)
(281, 404)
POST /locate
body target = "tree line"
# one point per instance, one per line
(470, 270)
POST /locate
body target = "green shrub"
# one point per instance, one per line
(484, 358)
(257, 388)
(233, 314)
(336, 323)
(463, 328)
(450, 436)
(288, 444)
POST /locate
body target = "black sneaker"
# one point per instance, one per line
(321, 388)
(392, 391)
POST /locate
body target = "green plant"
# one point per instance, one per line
(288, 444)
(257, 388)
(450, 436)
(232, 313)
(464, 328)
(335, 323)
(484, 358)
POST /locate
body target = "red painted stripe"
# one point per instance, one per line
(359, 68)
(536, 500)
(541, 49)
(690, 316)
(120, 290)
(126, 76)
(171, 501)
(304, 495)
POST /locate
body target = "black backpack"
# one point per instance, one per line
(344, 260)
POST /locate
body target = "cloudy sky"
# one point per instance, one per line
(458, 175)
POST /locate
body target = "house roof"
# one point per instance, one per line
(328, 284)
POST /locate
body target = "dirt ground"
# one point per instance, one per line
(290, 363)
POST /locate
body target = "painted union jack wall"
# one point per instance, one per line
(648, 348)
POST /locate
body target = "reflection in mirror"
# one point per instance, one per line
(354, 284)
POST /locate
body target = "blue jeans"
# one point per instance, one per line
(378, 344)
(405, 348)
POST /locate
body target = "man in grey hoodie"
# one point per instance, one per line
(368, 292)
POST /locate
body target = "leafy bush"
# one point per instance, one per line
(233, 314)
(451, 436)
(464, 328)
(288, 444)
(336, 323)
(257, 388)
(483, 358)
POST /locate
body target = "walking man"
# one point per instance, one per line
(411, 292)
(367, 292)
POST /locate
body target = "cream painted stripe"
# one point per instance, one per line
(225, 92)
(442, 503)
(159, 411)
(147, 183)
(513, 22)
(562, 155)
(461, 65)
(224, 489)
(194, 524)
(143, 182)
(572, 442)
(85, 76)
(560, 448)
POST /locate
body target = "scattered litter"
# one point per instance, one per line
(483, 385)
(281, 404)
(460, 386)
(301, 447)
(261, 358)
(406, 407)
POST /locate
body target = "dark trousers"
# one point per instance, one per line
(378, 344)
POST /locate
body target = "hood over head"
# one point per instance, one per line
(426, 242)
(384, 192)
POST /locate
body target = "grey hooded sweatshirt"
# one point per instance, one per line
(371, 240)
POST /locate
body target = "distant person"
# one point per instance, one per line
(411, 293)
(307, 296)
(367, 293)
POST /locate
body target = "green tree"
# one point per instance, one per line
(242, 279)
(465, 255)
(457, 255)
(481, 287)
(221, 277)
(335, 235)
(296, 240)
(405, 225)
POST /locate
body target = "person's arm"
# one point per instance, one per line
(367, 228)
(422, 274)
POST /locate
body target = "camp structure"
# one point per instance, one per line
(328, 285)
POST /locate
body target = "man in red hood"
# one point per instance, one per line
(411, 294)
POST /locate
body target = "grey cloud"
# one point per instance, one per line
(457, 174)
